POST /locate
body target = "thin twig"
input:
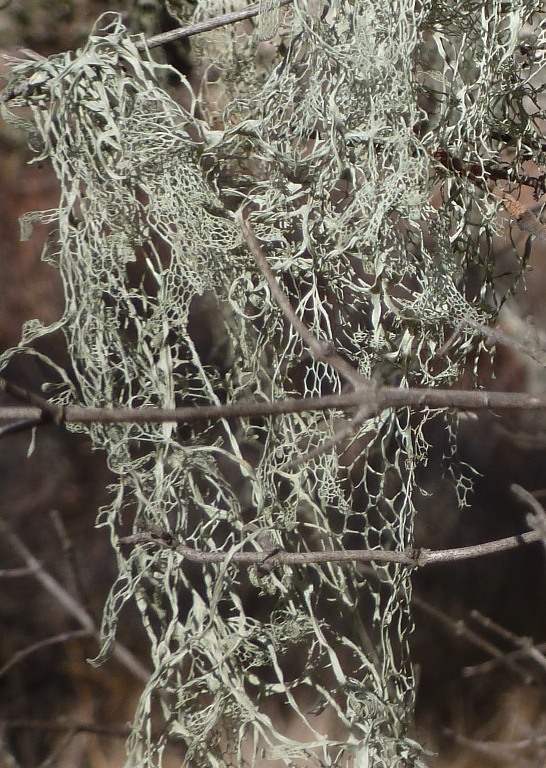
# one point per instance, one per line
(536, 519)
(69, 551)
(69, 604)
(320, 349)
(65, 724)
(497, 750)
(58, 749)
(62, 638)
(16, 573)
(410, 558)
(459, 628)
(492, 336)
(62, 724)
(488, 666)
(524, 643)
(20, 426)
(204, 26)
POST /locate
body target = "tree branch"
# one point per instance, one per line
(49, 411)
(320, 349)
(496, 750)
(417, 558)
(536, 519)
(380, 399)
(524, 643)
(203, 26)
(18, 656)
(69, 604)
(492, 336)
(460, 628)
(116, 732)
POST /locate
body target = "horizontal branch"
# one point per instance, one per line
(415, 558)
(378, 399)
(120, 731)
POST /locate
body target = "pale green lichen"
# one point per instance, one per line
(333, 145)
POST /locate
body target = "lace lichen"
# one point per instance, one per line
(333, 150)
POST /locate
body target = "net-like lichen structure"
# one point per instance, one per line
(358, 140)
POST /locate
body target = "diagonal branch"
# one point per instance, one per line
(321, 350)
(69, 604)
(204, 26)
(492, 336)
(460, 628)
(49, 411)
(19, 656)
(524, 643)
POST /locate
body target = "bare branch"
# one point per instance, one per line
(489, 666)
(49, 411)
(65, 724)
(497, 750)
(58, 749)
(203, 26)
(19, 426)
(492, 336)
(524, 643)
(69, 604)
(78, 587)
(62, 638)
(411, 558)
(380, 398)
(536, 519)
(16, 573)
(459, 628)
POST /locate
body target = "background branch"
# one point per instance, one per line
(17, 657)
(69, 604)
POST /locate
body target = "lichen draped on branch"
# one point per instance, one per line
(327, 142)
